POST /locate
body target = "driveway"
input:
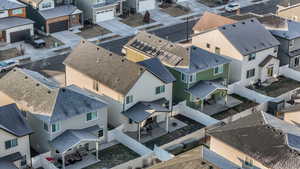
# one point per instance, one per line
(68, 38)
(163, 18)
(195, 6)
(118, 27)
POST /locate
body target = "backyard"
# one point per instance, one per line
(9, 53)
(247, 104)
(135, 20)
(175, 10)
(191, 127)
(91, 31)
(113, 156)
(279, 87)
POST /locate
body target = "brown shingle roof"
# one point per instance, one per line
(104, 66)
(211, 21)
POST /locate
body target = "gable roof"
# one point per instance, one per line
(156, 68)
(9, 4)
(201, 60)
(13, 122)
(13, 21)
(167, 52)
(64, 10)
(271, 149)
(248, 36)
(210, 21)
(104, 66)
(44, 98)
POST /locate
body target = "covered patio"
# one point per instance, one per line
(73, 147)
(147, 116)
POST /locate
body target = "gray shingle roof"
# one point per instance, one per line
(13, 122)
(204, 88)
(201, 60)
(262, 137)
(248, 36)
(44, 98)
(11, 22)
(7, 162)
(291, 32)
(59, 11)
(8, 4)
(154, 66)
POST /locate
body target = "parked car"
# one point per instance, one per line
(232, 6)
(6, 66)
(36, 42)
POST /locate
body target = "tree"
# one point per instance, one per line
(147, 17)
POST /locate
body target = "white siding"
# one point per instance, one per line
(145, 5)
(23, 146)
(4, 14)
(19, 28)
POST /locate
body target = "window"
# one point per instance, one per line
(218, 70)
(1, 11)
(160, 89)
(252, 56)
(292, 42)
(91, 116)
(270, 71)
(183, 77)
(129, 99)
(96, 85)
(23, 161)
(11, 143)
(248, 162)
(207, 45)
(46, 5)
(192, 78)
(55, 127)
(46, 126)
(250, 73)
(218, 50)
(296, 62)
(17, 11)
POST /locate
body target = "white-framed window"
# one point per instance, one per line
(55, 127)
(17, 11)
(252, 56)
(45, 126)
(11, 143)
(217, 50)
(129, 99)
(46, 5)
(192, 78)
(250, 73)
(160, 89)
(218, 70)
(183, 77)
(91, 116)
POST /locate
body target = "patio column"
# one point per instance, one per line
(167, 122)
(63, 160)
(97, 150)
(202, 105)
(226, 98)
(139, 132)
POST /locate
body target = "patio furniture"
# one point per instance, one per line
(82, 152)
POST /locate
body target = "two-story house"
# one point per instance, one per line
(64, 120)
(14, 25)
(201, 76)
(52, 16)
(14, 138)
(257, 141)
(251, 48)
(100, 10)
(287, 32)
(140, 6)
(138, 94)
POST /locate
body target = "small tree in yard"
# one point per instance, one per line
(147, 17)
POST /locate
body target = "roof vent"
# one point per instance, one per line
(123, 60)
(98, 48)
(159, 41)
(224, 28)
(49, 91)
(26, 77)
(14, 70)
(252, 20)
(83, 41)
(194, 47)
(243, 23)
(233, 25)
(63, 89)
(203, 162)
(37, 84)
(149, 36)
(110, 54)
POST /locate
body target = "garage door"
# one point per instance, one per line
(58, 26)
(104, 15)
(19, 35)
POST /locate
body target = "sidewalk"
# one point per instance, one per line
(163, 18)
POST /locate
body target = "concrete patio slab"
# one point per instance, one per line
(118, 27)
(68, 38)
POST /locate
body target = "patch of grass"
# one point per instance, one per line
(91, 31)
(135, 20)
(175, 10)
(9, 53)
(191, 127)
(113, 156)
(283, 85)
(247, 104)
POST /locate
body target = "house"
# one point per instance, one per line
(197, 158)
(52, 16)
(201, 76)
(100, 10)
(289, 9)
(251, 48)
(14, 25)
(138, 94)
(65, 120)
(287, 32)
(258, 140)
(14, 138)
(140, 6)
(210, 21)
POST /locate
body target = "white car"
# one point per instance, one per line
(233, 6)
